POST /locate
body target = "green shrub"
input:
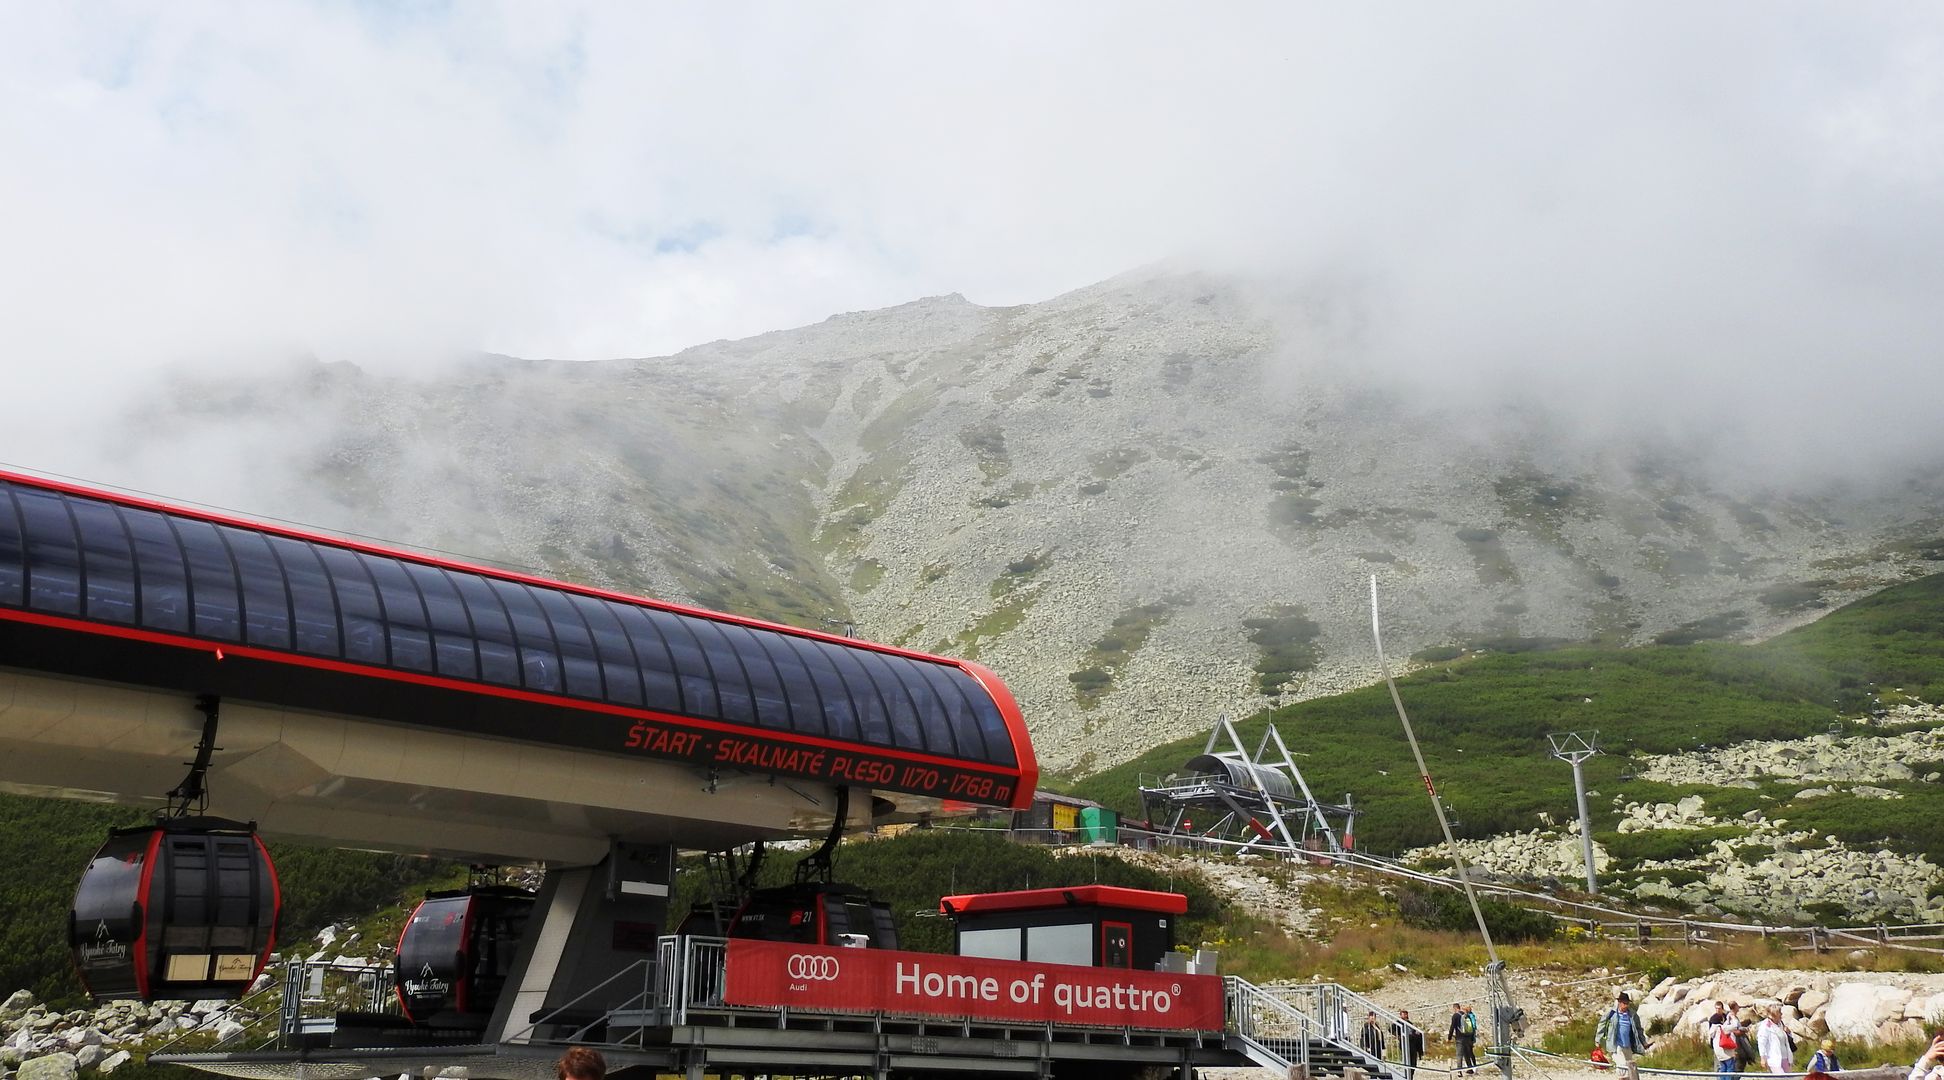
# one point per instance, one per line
(1445, 909)
(1664, 845)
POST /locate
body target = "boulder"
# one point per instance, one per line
(1691, 1017)
(51, 1067)
(1856, 1010)
(113, 1061)
(17, 1003)
(1896, 1031)
(1810, 1001)
(88, 1057)
(1661, 1013)
(227, 1030)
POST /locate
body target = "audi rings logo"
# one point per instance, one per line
(813, 968)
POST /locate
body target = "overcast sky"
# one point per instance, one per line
(1610, 196)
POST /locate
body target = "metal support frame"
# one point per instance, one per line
(1574, 748)
(1240, 803)
(191, 796)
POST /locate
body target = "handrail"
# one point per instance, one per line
(1260, 1020)
(253, 1007)
(1340, 1013)
(648, 984)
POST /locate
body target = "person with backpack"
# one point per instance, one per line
(1464, 1035)
(1622, 1034)
(1719, 1031)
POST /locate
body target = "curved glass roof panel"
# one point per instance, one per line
(113, 560)
(108, 561)
(161, 571)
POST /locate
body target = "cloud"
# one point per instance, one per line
(1734, 208)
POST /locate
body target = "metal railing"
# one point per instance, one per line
(1266, 1022)
(315, 993)
(582, 1022)
(247, 1023)
(1339, 1015)
(691, 974)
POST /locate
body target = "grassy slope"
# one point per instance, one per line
(1483, 722)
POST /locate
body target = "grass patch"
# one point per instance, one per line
(988, 445)
(866, 574)
(1019, 572)
(1663, 845)
(1003, 619)
(1489, 557)
(1429, 908)
(1289, 461)
(1112, 463)
(1106, 656)
(1720, 627)
(1286, 641)
(1291, 511)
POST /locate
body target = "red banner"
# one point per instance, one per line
(774, 973)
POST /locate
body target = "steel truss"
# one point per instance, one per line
(1261, 801)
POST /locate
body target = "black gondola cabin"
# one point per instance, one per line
(182, 910)
(816, 914)
(457, 949)
(1090, 925)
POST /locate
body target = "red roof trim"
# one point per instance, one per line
(225, 650)
(1022, 740)
(1108, 896)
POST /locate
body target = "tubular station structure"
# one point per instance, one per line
(381, 698)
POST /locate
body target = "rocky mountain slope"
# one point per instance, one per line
(1143, 503)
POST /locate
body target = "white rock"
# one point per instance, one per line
(51, 1067)
(1857, 1009)
(113, 1061)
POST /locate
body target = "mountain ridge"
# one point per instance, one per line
(1143, 502)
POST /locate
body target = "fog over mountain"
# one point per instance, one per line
(1143, 503)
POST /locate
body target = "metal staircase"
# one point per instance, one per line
(1315, 1026)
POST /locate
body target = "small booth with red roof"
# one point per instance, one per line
(1090, 925)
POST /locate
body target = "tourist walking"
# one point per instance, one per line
(1371, 1038)
(1410, 1043)
(1620, 1032)
(1824, 1059)
(1720, 1029)
(1464, 1036)
(1774, 1043)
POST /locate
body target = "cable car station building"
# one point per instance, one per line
(336, 692)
